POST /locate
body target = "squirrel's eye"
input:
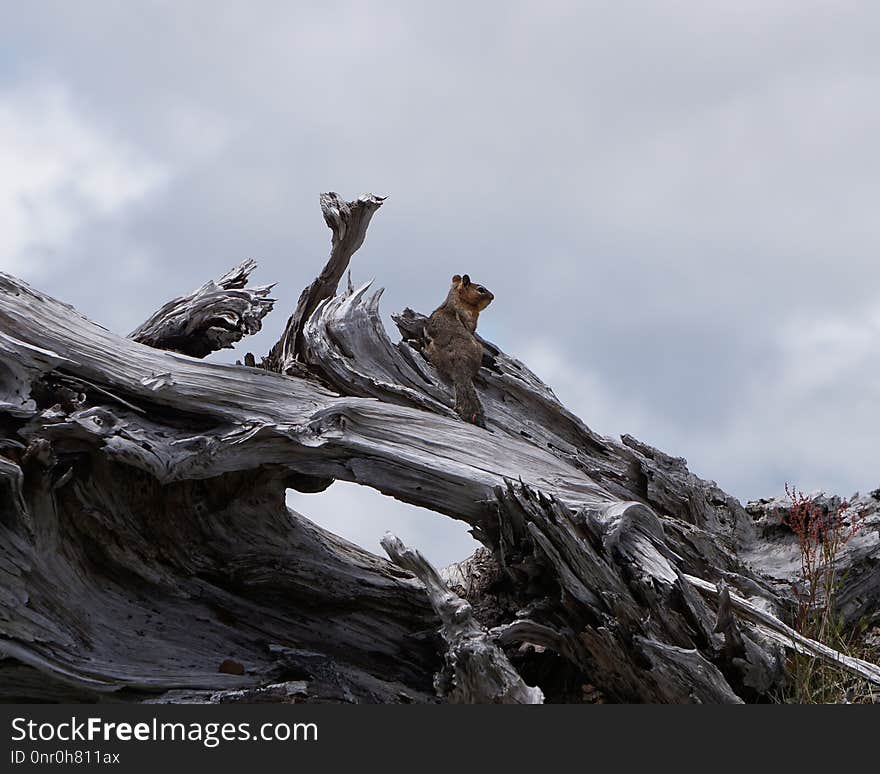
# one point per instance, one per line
(481, 289)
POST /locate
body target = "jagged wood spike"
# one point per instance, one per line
(348, 222)
(476, 670)
(214, 317)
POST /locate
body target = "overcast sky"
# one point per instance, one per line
(674, 202)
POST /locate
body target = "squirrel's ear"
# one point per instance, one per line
(456, 279)
(465, 280)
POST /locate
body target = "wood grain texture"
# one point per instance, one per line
(476, 670)
(145, 540)
(214, 317)
(348, 222)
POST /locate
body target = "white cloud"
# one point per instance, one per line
(586, 393)
(191, 132)
(804, 414)
(809, 414)
(60, 172)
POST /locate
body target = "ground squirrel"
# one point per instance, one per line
(452, 346)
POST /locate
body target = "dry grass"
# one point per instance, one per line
(822, 533)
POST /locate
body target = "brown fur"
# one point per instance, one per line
(452, 347)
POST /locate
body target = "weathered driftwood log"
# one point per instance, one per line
(145, 544)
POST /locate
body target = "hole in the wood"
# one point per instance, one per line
(362, 515)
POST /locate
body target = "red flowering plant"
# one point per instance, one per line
(822, 531)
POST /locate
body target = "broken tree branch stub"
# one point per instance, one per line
(214, 317)
(348, 222)
(476, 671)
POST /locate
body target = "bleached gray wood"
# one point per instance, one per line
(605, 592)
(777, 553)
(144, 537)
(787, 637)
(348, 222)
(476, 671)
(214, 317)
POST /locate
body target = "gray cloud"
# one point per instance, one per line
(673, 202)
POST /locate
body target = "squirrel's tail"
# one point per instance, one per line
(467, 403)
